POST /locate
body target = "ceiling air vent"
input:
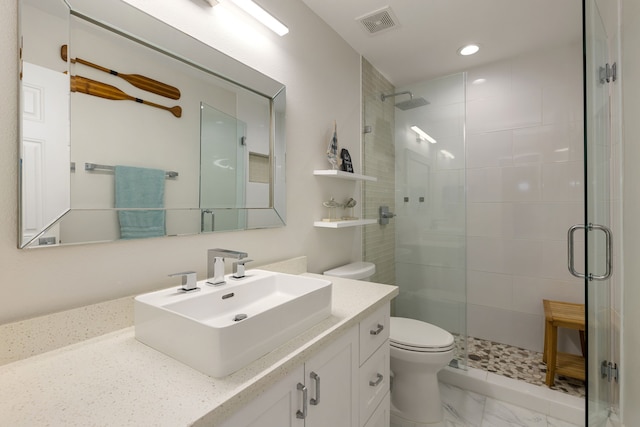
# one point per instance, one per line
(379, 21)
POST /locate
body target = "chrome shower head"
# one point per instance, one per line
(412, 103)
(406, 105)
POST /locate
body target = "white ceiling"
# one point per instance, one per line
(425, 43)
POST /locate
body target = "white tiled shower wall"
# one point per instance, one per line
(524, 136)
(523, 171)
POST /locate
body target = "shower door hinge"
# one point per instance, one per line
(608, 73)
(609, 371)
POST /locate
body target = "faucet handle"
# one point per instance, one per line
(188, 281)
(238, 268)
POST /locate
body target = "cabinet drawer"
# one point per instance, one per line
(374, 330)
(374, 381)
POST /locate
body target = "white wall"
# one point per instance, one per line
(525, 189)
(322, 75)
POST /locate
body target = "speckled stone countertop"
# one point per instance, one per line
(115, 380)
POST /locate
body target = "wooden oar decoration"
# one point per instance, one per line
(103, 90)
(137, 80)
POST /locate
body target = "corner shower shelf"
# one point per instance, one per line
(345, 223)
(344, 175)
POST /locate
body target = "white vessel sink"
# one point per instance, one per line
(200, 329)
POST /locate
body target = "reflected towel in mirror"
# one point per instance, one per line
(140, 188)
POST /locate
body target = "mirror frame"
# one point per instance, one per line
(128, 21)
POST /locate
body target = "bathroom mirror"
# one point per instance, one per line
(197, 131)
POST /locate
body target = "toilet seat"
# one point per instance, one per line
(417, 336)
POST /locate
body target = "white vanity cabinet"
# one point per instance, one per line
(276, 408)
(345, 384)
(374, 368)
(323, 392)
(331, 379)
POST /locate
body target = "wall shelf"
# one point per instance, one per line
(343, 224)
(332, 173)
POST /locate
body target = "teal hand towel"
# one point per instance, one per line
(140, 188)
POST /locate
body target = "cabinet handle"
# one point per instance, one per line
(378, 330)
(316, 378)
(378, 380)
(302, 414)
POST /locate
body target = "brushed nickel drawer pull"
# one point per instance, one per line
(378, 380)
(378, 330)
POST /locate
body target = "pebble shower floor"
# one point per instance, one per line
(517, 363)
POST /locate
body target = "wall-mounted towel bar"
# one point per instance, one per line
(97, 167)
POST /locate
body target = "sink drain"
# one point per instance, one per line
(239, 317)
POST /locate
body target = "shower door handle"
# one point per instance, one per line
(571, 265)
(570, 234)
(609, 245)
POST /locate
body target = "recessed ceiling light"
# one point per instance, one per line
(469, 49)
(478, 81)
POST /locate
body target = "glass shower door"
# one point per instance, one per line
(598, 216)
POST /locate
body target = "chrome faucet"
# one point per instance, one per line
(215, 264)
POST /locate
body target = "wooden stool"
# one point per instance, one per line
(562, 315)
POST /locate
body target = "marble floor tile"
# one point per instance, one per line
(501, 414)
(553, 422)
(463, 408)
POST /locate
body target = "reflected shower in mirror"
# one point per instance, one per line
(175, 108)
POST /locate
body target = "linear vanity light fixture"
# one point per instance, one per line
(262, 15)
(422, 134)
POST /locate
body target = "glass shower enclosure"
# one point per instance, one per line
(418, 156)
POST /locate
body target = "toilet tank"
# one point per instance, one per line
(355, 270)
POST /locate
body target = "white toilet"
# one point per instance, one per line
(355, 271)
(418, 351)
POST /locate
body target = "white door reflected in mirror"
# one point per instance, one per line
(44, 151)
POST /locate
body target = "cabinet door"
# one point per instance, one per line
(382, 415)
(277, 407)
(331, 378)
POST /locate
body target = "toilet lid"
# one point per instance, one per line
(416, 335)
(355, 270)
